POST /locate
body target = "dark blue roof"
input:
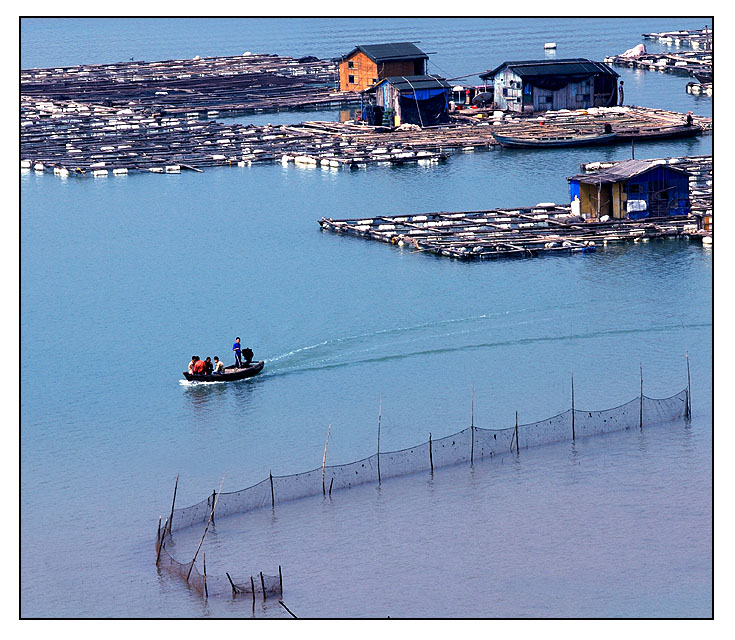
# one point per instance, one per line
(561, 67)
(623, 171)
(390, 51)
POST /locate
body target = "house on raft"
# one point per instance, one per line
(420, 100)
(546, 85)
(633, 189)
(368, 64)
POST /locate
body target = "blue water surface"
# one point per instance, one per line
(127, 277)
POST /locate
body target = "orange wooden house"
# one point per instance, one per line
(368, 64)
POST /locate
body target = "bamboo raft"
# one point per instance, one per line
(80, 139)
(203, 86)
(547, 228)
(684, 63)
(694, 38)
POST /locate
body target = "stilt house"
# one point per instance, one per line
(545, 85)
(368, 64)
(632, 189)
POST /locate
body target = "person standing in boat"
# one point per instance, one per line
(219, 366)
(237, 349)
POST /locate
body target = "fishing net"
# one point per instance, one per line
(463, 447)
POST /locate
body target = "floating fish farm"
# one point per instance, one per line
(547, 228)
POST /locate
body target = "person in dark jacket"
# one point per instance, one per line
(237, 349)
(208, 366)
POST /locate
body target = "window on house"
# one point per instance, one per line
(351, 64)
(351, 79)
(375, 80)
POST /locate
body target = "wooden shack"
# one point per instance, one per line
(420, 100)
(545, 85)
(367, 64)
(633, 189)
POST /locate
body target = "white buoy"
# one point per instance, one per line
(173, 168)
(119, 172)
(549, 45)
(25, 164)
(707, 240)
(100, 173)
(38, 166)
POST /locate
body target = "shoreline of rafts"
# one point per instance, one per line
(547, 228)
(91, 140)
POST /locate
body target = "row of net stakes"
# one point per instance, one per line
(214, 496)
(162, 533)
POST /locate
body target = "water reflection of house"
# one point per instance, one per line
(544, 85)
(632, 189)
(368, 64)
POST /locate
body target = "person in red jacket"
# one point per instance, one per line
(200, 366)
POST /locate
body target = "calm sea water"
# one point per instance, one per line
(129, 277)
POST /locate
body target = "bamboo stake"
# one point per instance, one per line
(472, 428)
(324, 460)
(380, 414)
(280, 578)
(209, 521)
(173, 502)
(286, 608)
(160, 545)
(689, 390)
(331, 482)
(204, 564)
(431, 455)
(640, 418)
(235, 590)
(252, 588)
(573, 434)
(262, 584)
(518, 447)
(273, 495)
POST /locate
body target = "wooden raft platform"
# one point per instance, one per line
(71, 138)
(685, 63)
(547, 228)
(199, 86)
(694, 38)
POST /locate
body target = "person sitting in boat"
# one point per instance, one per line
(199, 366)
(219, 366)
(191, 364)
(247, 353)
(208, 366)
(690, 119)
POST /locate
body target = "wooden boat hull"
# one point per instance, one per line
(551, 143)
(662, 133)
(230, 374)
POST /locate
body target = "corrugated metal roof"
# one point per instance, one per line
(409, 83)
(565, 66)
(622, 171)
(390, 51)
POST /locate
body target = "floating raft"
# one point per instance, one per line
(205, 87)
(694, 38)
(78, 139)
(504, 233)
(685, 63)
(547, 228)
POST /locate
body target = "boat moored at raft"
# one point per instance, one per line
(528, 142)
(231, 373)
